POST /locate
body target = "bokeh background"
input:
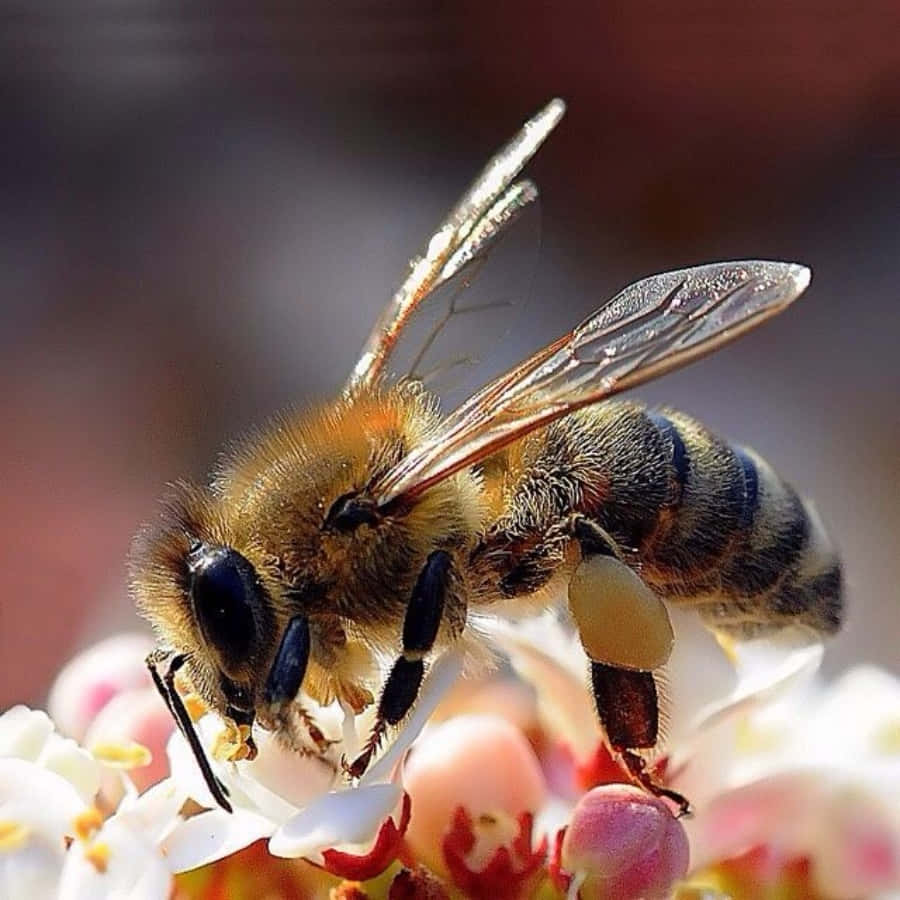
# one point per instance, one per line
(205, 206)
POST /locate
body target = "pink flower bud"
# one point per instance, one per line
(91, 679)
(623, 844)
(480, 763)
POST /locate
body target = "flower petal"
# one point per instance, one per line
(766, 668)
(155, 812)
(32, 870)
(548, 656)
(387, 844)
(75, 764)
(118, 862)
(23, 732)
(351, 816)
(43, 800)
(445, 670)
(212, 835)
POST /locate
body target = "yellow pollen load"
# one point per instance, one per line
(13, 835)
(621, 622)
(195, 706)
(98, 856)
(129, 755)
(231, 743)
(87, 823)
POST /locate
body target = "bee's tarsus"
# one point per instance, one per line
(637, 768)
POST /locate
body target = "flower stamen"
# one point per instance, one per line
(97, 854)
(87, 823)
(125, 755)
(13, 835)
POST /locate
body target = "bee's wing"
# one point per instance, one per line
(652, 326)
(492, 202)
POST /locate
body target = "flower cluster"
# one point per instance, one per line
(496, 787)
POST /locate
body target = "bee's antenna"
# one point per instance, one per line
(166, 686)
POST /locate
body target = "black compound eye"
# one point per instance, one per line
(224, 594)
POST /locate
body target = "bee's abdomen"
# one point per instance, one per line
(713, 525)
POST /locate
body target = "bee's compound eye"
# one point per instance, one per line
(223, 589)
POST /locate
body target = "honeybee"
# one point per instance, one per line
(374, 526)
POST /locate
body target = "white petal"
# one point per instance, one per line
(766, 669)
(32, 871)
(155, 812)
(132, 867)
(351, 816)
(283, 773)
(549, 657)
(858, 718)
(76, 765)
(778, 811)
(254, 786)
(45, 805)
(186, 772)
(23, 732)
(212, 835)
(43, 800)
(443, 673)
(699, 676)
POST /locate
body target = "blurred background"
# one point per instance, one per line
(204, 208)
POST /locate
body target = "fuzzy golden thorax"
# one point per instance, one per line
(269, 500)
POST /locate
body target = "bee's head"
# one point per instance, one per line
(215, 610)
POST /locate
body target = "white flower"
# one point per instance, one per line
(701, 684)
(301, 803)
(816, 774)
(53, 841)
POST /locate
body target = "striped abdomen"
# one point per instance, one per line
(712, 525)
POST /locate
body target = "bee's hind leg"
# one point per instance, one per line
(627, 700)
(420, 628)
(628, 708)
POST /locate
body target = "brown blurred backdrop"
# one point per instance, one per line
(203, 209)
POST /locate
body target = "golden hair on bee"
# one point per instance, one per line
(337, 552)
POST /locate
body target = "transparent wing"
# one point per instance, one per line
(652, 326)
(472, 227)
(455, 342)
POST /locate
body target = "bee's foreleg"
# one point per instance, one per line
(420, 628)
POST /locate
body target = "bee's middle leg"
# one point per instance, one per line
(420, 627)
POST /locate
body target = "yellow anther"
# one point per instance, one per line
(195, 706)
(13, 835)
(98, 855)
(129, 755)
(887, 738)
(87, 822)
